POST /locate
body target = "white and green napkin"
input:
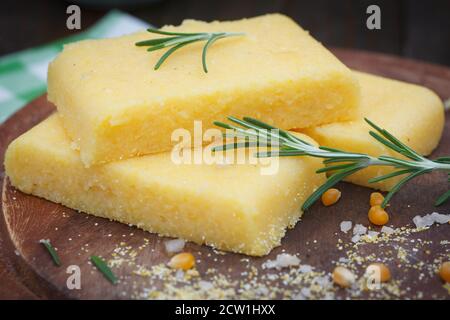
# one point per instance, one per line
(23, 75)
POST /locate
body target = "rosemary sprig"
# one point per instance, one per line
(51, 251)
(340, 163)
(177, 40)
(103, 268)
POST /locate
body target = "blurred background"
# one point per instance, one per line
(416, 29)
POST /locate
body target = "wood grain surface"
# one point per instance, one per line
(27, 272)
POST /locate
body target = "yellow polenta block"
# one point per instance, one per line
(115, 106)
(412, 113)
(229, 206)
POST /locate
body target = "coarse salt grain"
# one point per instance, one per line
(387, 230)
(175, 245)
(440, 218)
(359, 229)
(179, 275)
(373, 234)
(430, 219)
(305, 268)
(283, 260)
(346, 226)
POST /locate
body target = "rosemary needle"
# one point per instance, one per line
(177, 40)
(103, 268)
(338, 162)
(51, 251)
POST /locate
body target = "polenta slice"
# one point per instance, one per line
(114, 105)
(412, 113)
(229, 206)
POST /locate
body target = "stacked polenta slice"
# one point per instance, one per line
(107, 150)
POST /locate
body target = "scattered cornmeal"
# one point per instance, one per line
(343, 277)
(444, 271)
(331, 196)
(378, 216)
(385, 273)
(184, 261)
(376, 199)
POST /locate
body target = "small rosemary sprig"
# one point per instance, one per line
(340, 163)
(51, 251)
(103, 268)
(177, 40)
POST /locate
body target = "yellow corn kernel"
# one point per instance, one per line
(376, 199)
(384, 272)
(330, 197)
(184, 261)
(444, 271)
(343, 277)
(378, 216)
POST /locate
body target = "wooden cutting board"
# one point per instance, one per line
(27, 271)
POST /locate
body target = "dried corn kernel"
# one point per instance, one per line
(376, 199)
(444, 271)
(331, 196)
(378, 216)
(184, 261)
(343, 277)
(381, 269)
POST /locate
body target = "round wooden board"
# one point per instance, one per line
(27, 271)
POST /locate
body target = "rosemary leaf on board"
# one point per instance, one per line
(46, 243)
(103, 268)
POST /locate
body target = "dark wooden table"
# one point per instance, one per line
(27, 272)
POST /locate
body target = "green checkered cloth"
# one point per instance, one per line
(23, 75)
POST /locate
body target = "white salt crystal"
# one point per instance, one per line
(356, 238)
(305, 268)
(283, 260)
(359, 229)
(179, 275)
(343, 260)
(440, 218)
(387, 230)
(373, 234)
(175, 245)
(346, 226)
(418, 221)
(430, 219)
